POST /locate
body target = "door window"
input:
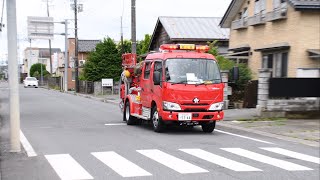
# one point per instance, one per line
(147, 70)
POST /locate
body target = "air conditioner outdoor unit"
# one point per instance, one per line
(82, 62)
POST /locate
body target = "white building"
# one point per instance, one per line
(35, 55)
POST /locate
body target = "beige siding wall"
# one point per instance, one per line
(300, 30)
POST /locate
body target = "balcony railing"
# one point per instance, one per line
(239, 24)
(257, 19)
(277, 14)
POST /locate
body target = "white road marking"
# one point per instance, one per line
(293, 154)
(115, 124)
(268, 160)
(246, 137)
(120, 165)
(235, 121)
(172, 162)
(27, 146)
(219, 160)
(67, 168)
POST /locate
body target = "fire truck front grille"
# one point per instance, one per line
(191, 104)
(195, 110)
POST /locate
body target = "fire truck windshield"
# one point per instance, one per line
(192, 71)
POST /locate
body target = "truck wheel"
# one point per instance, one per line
(157, 123)
(127, 116)
(208, 127)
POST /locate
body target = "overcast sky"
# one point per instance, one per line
(101, 18)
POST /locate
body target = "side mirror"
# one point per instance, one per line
(235, 73)
(156, 78)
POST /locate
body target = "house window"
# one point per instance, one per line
(147, 70)
(73, 76)
(260, 7)
(245, 13)
(278, 62)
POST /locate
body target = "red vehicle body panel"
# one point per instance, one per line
(182, 94)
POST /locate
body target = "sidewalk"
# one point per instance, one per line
(305, 131)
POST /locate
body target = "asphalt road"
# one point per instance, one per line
(72, 137)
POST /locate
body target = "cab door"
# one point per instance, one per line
(156, 90)
(146, 83)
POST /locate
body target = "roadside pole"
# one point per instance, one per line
(65, 79)
(13, 77)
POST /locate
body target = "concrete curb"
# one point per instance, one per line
(286, 138)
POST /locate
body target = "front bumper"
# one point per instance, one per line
(196, 116)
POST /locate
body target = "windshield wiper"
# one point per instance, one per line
(215, 81)
(179, 82)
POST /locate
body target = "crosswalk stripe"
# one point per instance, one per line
(172, 162)
(268, 160)
(67, 168)
(293, 154)
(120, 164)
(219, 160)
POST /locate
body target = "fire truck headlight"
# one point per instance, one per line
(171, 106)
(216, 106)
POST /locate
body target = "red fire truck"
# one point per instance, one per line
(179, 85)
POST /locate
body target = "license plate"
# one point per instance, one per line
(184, 116)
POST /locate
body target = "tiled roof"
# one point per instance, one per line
(45, 53)
(194, 28)
(87, 45)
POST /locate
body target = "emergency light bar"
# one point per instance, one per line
(198, 48)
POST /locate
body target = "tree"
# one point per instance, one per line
(245, 73)
(143, 45)
(104, 62)
(37, 68)
(126, 46)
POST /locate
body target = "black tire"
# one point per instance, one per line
(127, 116)
(208, 127)
(157, 123)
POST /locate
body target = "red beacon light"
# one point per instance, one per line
(189, 47)
(202, 48)
(169, 47)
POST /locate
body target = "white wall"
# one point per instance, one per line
(308, 73)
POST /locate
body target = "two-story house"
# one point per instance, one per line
(35, 55)
(283, 35)
(84, 48)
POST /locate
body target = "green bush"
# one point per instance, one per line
(37, 68)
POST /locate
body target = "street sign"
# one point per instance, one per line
(40, 27)
(107, 82)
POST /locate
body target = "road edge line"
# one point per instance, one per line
(26, 145)
(281, 137)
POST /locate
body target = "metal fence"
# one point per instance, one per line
(86, 87)
(54, 83)
(294, 87)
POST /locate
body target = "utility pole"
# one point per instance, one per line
(49, 41)
(1, 24)
(133, 27)
(122, 48)
(66, 64)
(13, 77)
(29, 60)
(76, 63)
